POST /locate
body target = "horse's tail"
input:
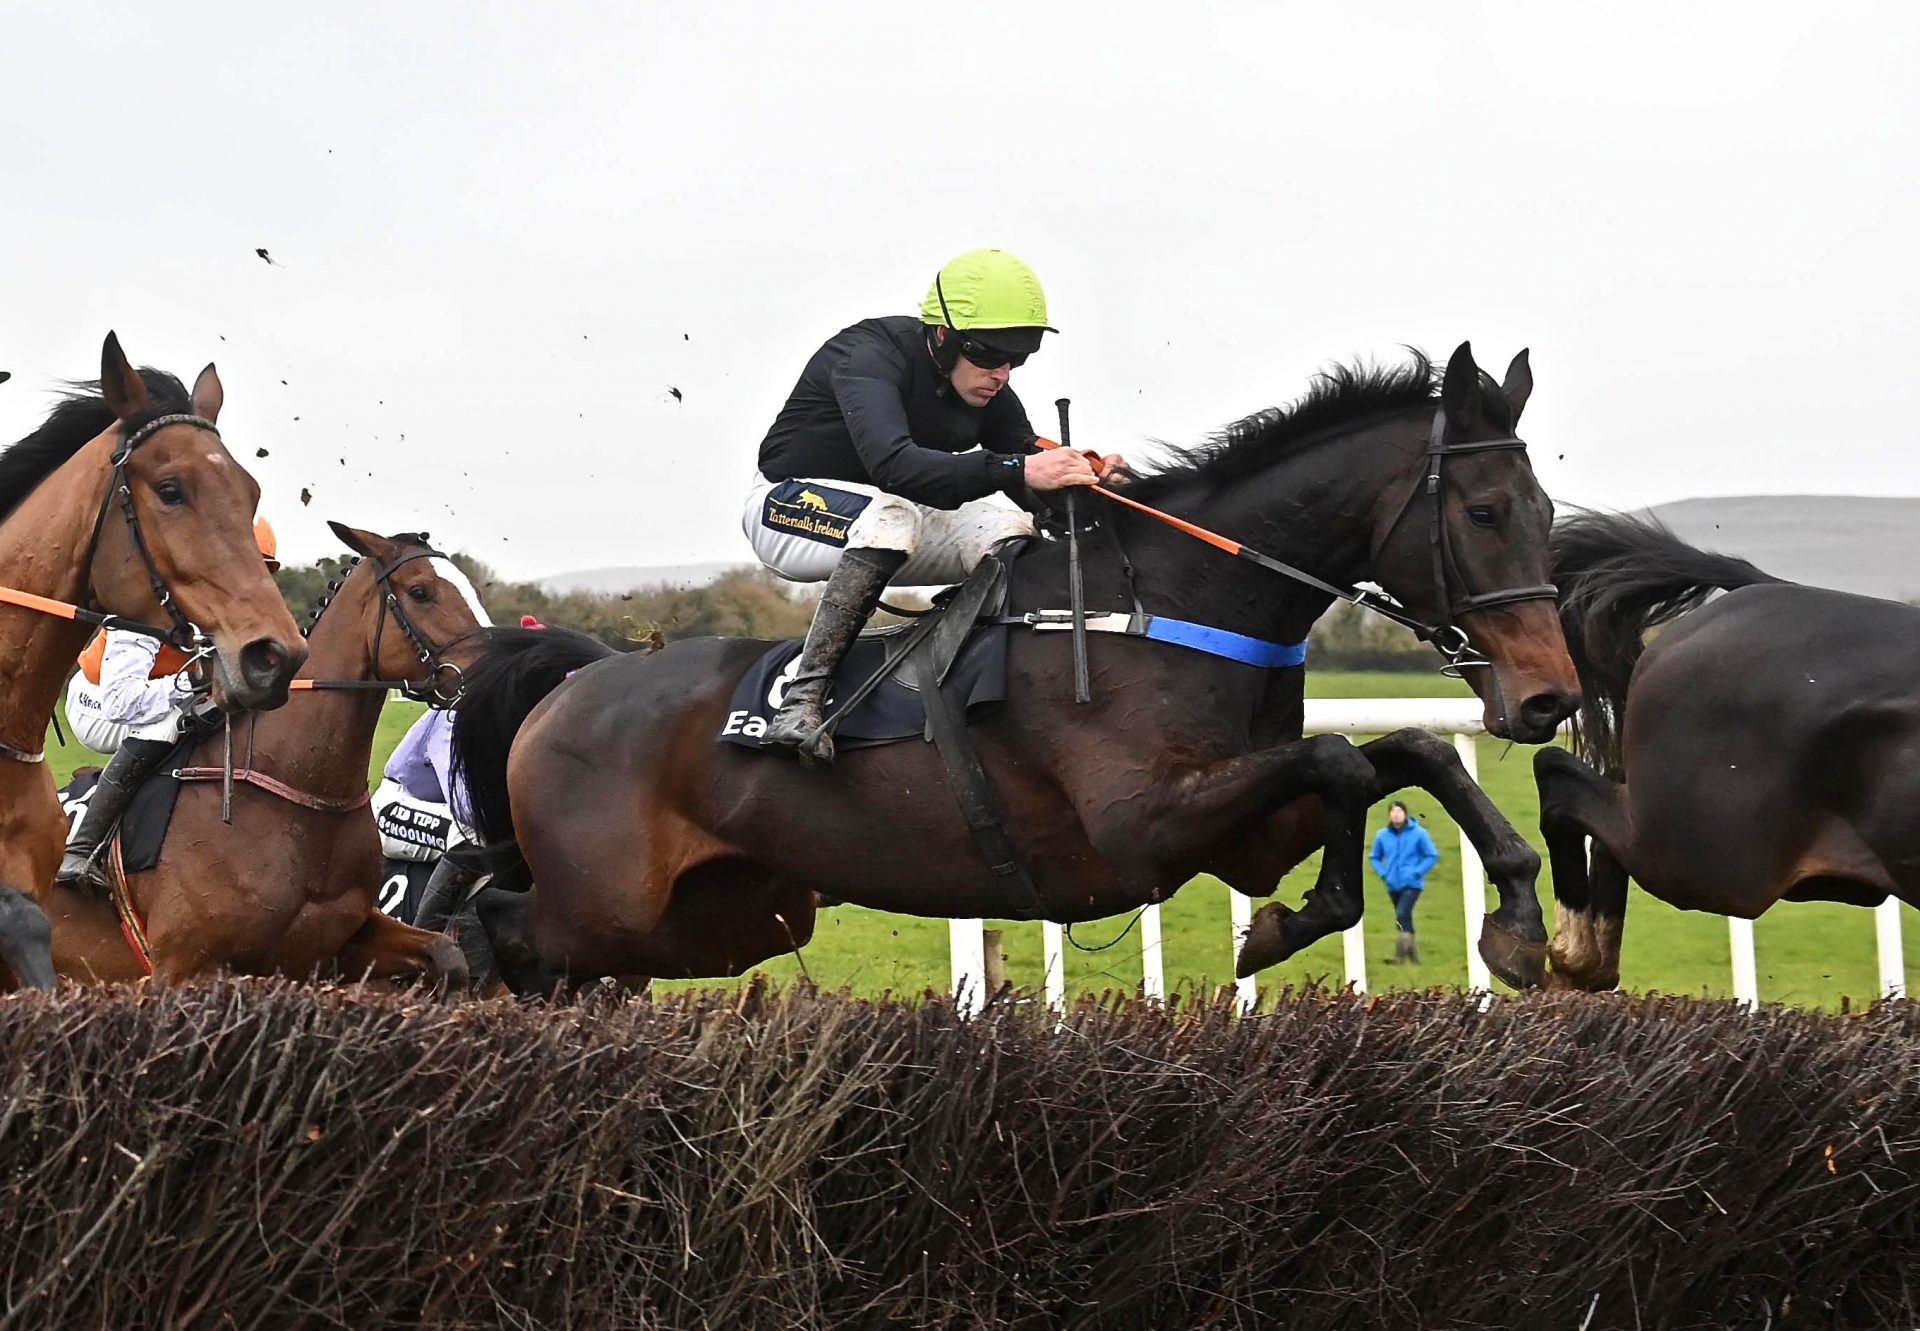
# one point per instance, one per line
(1620, 577)
(518, 668)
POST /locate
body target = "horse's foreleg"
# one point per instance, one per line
(1513, 939)
(1590, 899)
(1197, 812)
(26, 942)
(385, 949)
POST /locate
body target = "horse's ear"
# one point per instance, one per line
(363, 543)
(1519, 384)
(121, 386)
(207, 394)
(1460, 389)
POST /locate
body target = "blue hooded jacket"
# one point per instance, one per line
(1404, 858)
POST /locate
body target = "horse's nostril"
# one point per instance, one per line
(1546, 709)
(263, 661)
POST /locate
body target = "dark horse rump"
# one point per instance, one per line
(1763, 744)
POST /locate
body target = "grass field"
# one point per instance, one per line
(1809, 954)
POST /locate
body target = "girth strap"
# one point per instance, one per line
(921, 655)
(972, 789)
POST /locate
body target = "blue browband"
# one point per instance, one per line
(1182, 633)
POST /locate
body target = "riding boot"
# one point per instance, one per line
(132, 763)
(446, 890)
(1413, 949)
(446, 907)
(850, 597)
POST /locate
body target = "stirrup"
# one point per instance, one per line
(796, 726)
(87, 872)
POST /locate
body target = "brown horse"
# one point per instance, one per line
(1761, 748)
(652, 850)
(128, 501)
(288, 886)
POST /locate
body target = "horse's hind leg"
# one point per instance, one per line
(1217, 802)
(1590, 897)
(26, 940)
(1513, 940)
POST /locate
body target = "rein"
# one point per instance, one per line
(1447, 636)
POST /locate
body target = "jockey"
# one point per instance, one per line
(422, 762)
(420, 808)
(898, 458)
(130, 698)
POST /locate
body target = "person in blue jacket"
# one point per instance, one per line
(1403, 855)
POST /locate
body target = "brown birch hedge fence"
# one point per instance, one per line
(260, 1155)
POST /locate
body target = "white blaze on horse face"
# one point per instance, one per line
(449, 571)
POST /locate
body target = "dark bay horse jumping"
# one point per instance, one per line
(288, 886)
(652, 850)
(1763, 747)
(124, 501)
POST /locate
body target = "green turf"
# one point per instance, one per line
(1812, 954)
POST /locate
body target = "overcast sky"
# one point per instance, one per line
(504, 231)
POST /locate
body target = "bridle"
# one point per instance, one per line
(1447, 635)
(184, 634)
(432, 690)
(428, 652)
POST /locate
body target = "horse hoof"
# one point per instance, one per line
(1519, 962)
(1266, 943)
(447, 965)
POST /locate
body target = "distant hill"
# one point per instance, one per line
(1854, 543)
(625, 579)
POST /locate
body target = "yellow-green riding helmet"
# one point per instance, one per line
(992, 293)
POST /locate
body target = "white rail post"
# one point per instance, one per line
(1241, 909)
(1053, 949)
(1353, 942)
(1153, 974)
(967, 940)
(1893, 961)
(1746, 972)
(1473, 879)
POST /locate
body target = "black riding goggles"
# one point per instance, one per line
(989, 357)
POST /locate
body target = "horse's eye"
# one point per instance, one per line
(171, 493)
(1482, 517)
(420, 593)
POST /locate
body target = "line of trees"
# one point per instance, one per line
(743, 602)
(750, 602)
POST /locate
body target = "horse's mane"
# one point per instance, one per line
(1340, 395)
(345, 571)
(79, 416)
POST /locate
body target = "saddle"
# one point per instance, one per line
(921, 680)
(137, 841)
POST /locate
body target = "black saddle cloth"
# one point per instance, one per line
(144, 828)
(403, 886)
(891, 713)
